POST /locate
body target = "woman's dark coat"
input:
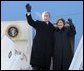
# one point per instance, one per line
(63, 52)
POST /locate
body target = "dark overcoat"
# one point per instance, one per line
(42, 43)
(63, 52)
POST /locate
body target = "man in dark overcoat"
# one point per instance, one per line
(42, 42)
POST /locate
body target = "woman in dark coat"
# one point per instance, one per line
(63, 53)
(43, 41)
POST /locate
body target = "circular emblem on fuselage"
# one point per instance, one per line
(12, 31)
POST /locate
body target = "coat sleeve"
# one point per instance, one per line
(71, 30)
(72, 33)
(34, 24)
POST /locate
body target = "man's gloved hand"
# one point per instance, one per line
(28, 7)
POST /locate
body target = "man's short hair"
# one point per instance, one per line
(45, 12)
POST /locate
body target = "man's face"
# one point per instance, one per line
(46, 17)
(60, 24)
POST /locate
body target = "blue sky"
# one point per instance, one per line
(15, 10)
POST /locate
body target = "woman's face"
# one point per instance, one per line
(60, 24)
